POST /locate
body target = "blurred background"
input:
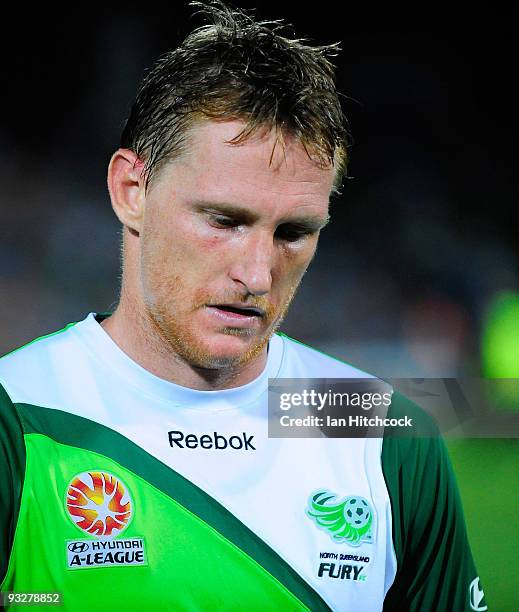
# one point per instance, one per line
(417, 275)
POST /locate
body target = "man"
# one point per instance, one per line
(137, 470)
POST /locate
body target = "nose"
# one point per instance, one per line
(252, 263)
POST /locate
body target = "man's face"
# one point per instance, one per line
(228, 233)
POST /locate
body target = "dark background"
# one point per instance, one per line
(423, 239)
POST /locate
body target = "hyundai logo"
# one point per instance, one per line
(78, 547)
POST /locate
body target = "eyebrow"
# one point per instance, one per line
(310, 222)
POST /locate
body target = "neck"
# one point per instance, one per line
(136, 335)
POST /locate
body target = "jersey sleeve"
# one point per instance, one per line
(12, 468)
(435, 568)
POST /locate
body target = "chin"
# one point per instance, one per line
(233, 350)
(227, 350)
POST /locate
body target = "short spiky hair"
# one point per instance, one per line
(237, 68)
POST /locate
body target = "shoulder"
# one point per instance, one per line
(300, 360)
(429, 534)
(32, 370)
(417, 452)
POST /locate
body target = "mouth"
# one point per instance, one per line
(236, 314)
(240, 310)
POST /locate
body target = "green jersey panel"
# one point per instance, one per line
(435, 566)
(12, 469)
(191, 562)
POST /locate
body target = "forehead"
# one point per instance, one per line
(261, 171)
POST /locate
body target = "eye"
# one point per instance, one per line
(292, 233)
(223, 222)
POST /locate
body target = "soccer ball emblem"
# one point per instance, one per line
(357, 512)
(350, 520)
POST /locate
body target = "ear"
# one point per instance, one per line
(127, 188)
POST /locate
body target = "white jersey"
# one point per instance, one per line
(280, 489)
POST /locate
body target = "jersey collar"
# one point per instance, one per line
(115, 359)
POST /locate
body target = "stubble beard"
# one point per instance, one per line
(186, 345)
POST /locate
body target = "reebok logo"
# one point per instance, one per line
(211, 441)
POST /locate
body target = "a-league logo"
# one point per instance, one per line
(99, 504)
